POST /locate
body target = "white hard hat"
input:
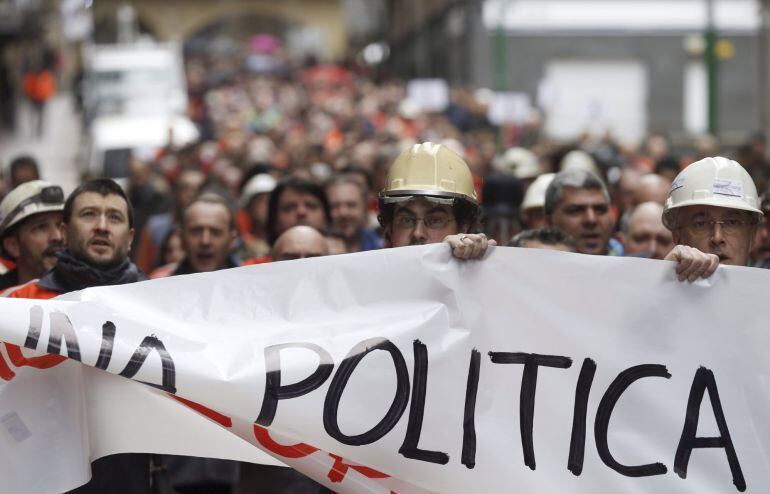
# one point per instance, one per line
(578, 160)
(27, 199)
(713, 181)
(258, 184)
(535, 195)
(521, 162)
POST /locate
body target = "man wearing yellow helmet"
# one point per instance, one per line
(429, 198)
(713, 212)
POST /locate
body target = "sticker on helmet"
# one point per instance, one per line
(724, 187)
(678, 183)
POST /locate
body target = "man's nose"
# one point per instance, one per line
(55, 235)
(717, 235)
(420, 232)
(590, 216)
(101, 223)
(206, 237)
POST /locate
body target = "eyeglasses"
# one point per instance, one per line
(730, 226)
(51, 194)
(431, 222)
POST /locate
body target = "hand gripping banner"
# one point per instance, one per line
(403, 371)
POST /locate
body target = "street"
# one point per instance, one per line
(57, 150)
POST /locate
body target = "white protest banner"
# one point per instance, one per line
(509, 107)
(407, 371)
(430, 95)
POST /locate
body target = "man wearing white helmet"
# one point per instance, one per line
(521, 163)
(30, 234)
(429, 198)
(533, 206)
(713, 212)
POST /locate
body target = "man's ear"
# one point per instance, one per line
(131, 233)
(11, 246)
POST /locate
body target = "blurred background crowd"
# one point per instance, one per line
(290, 113)
(245, 105)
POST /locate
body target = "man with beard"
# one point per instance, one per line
(97, 229)
(577, 203)
(30, 234)
(429, 198)
(347, 202)
(713, 214)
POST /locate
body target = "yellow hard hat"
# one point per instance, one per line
(431, 170)
(27, 199)
(713, 181)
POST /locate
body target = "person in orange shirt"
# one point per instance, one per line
(97, 231)
(30, 230)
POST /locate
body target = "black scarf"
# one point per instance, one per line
(72, 274)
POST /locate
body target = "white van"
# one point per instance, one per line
(134, 96)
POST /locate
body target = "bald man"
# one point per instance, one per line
(644, 234)
(299, 242)
(650, 187)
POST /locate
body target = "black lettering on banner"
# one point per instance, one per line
(61, 326)
(273, 389)
(531, 362)
(703, 380)
(35, 326)
(604, 413)
(468, 457)
(105, 352)
(340, 380)
(409, 448)
(140, 355)
(577, 445)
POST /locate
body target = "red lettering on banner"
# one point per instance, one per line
(19, 360)
(5, 372)
(300, 450)
(217, 417)
(294, 451)
(340, 469)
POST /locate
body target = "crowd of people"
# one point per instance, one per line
(323, 160)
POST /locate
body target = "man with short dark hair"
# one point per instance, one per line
(577, 202)
(23, 169)
(543, 238)
(347, 201)
(30, 230)
(98, 228)
(208, 232)
(296, 201)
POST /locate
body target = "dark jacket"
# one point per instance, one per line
(9, 279)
